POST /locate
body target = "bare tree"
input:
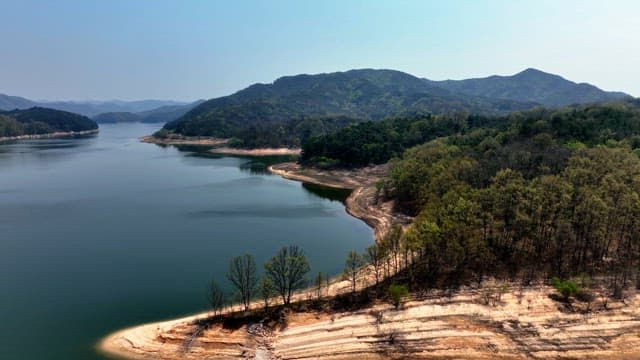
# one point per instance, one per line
(375, 257)
(287, 270)
(242, 274)
(216, 297)
(351, 266)
(266, 290)
(318, 283)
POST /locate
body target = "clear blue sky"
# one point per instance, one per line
(185, 50)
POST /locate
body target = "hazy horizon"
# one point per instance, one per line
(185, 51)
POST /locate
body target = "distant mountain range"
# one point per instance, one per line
(364, 94)
(161, 114)
(530, 85)
(86, 108)
(375, 94)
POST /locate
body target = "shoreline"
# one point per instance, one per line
(141, 341)
(58, 134)
(218, 146)
(255, 152)
(184, 140)
(526, 323)
(362, 203)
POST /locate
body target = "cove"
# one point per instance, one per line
(103, 232)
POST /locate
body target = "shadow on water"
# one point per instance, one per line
(325, 192)
(254, 165)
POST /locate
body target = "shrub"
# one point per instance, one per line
(566, 288)
(397, 293)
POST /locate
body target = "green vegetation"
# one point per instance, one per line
(527, 133)
(377, 142)
(515, 202)
(531, 85)
(535, 195)
(292, 133)
(566, 288)
(397, 293)
(38, 121)
(360, 94)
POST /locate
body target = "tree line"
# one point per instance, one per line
(378, 142)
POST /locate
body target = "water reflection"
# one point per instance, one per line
(325, 192)
(46, 150)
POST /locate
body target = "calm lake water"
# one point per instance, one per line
(105, 232)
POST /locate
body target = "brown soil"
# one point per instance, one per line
(528, 326)
(363, 202)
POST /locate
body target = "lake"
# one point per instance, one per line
(104, 232)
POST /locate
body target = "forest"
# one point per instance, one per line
(548, 195)
(36, 121)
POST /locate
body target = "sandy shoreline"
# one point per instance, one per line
(255, 152)
(524, 324)
(59, 134)
(184, 140)
(218, 145)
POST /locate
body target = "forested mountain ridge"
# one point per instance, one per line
(86, 108)
(531, 85)
(38, 121)
(532, 195)
(378, 142)
(366, 94)
(162, 114)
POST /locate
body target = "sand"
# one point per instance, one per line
(184, 140)
(59, 134)
(523, 325)
(255, 152)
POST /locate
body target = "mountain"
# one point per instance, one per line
(366, 94)
(37, 120)
(92, 108)
(116, 117)
(530, 85)
(8, 102)
(161, 114)
(86, 108)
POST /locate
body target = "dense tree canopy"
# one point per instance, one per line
(556, 193)
(525, 139)
(37, 121)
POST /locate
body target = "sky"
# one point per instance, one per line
(187, 50)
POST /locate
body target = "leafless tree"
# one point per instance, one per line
(287, 270)
(242, 274)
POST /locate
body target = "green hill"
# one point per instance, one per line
(364, 94)
(37, 120)
(531, 85)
